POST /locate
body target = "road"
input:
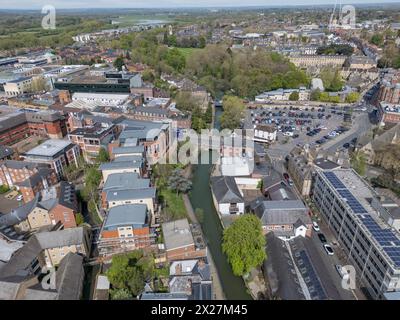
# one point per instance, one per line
(330, 261)
(361, 125)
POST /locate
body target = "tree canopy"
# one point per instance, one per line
(233, 112)
(244, 244)
(129, 272)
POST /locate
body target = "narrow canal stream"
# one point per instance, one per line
(200, 197)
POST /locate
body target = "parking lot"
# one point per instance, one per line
(299, 125)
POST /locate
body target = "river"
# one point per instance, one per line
(200, 197)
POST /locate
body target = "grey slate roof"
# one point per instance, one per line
(128, 150)
(36, 178)
(69, 277)
(129, 214)
(226, 190)
(122, 164)
(122, 181)
(20, 261)
(118, 195)
(5, 152)
(18, 214)
(281, 212)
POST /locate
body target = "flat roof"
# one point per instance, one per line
(49, 148)
(177, 234)
(128, 214)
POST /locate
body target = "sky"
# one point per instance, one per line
(61, 4)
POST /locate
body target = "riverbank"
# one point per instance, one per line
(217, 286)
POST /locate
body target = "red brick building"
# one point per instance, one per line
(29, 178)
(16, 125)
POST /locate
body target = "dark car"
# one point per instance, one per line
(346, 145)
(295, 136)
(286, 176)
(322, 237)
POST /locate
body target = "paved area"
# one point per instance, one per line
(330, 261)
(7, 205)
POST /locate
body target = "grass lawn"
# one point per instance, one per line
(188, 51)
(174, 205)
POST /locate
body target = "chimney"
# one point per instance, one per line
(178, 269)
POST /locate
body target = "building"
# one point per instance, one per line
(109, 82)
(124, 164)
(66, 284)
(389, 113)
(227, 195)
(192, 278)
(18, 124)
(300, 170)
(92, 139)
(307, 61)
(381, 150)
(6, 153)
(353, 213)
(17, 87)
(13, 172)
(389, 90)
(154, 136)
(180, 243)
(360, 63)
(265, 133)
(45, 250)
(283, 95)
(101, 99)
(128, 188)
(57, 153)
(56, 206)
(125, 228)
(287, 219)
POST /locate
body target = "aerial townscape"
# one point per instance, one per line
(200, 153)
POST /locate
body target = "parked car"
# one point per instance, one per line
(286, 176)
(342, 271)
(329, 249)
(322, 237)
(316, 226)
(19, 197)
(346, 145)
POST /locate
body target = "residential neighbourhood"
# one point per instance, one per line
(245, 153)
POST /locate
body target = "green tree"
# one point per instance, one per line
(294, 96)
(315, 95)
(233, 112)
(352, 97)
(377, 39)
(119, 63)
(103, 156)
(79, 219)
(359, 162)
(244, 244)
(178, 182)
(128, 271)
(121, 294)
(175, 59)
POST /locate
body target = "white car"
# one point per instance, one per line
(20, 197)
(315, 226)
(288, 134)
(342, 272)
(328, 249)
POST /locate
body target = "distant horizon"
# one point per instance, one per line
(26, 5)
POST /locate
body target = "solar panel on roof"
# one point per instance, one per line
(334, 180)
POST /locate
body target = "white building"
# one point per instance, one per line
(101, 99)
(264, 133)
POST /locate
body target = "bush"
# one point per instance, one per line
(4, 189)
